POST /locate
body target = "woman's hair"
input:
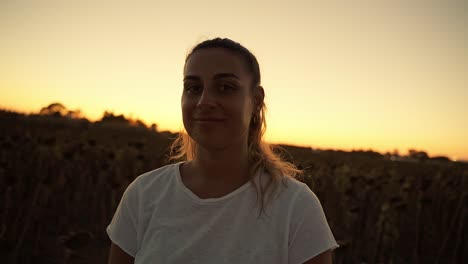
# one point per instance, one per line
(261, 155)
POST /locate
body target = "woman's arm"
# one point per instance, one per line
(323, 258)
(118, 256)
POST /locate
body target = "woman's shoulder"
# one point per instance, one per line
(287, 190)
(293, 186)
(149, 178)
(302, 191)
(302, 196)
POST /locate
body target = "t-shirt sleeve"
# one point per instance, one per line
(309, 233)
(123, 228)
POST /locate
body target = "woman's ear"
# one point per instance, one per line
(259, 96)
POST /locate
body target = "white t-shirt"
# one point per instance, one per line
(160, 220)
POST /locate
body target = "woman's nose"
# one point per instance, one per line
(207, 98)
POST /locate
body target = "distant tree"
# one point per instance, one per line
(109, 117)
(54, 109)
(139, 123)
(387, 155)
(418, 155)
(441, 158)
(154, 127)
(59, 110)
(74, 114)
(367, 153)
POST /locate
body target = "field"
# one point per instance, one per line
(61, 180)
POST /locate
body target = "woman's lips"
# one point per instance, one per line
(209, 120)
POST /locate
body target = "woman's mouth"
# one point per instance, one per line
(209, 120)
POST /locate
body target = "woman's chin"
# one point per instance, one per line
(213, 143)
(213, 146)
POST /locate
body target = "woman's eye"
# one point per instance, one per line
(192, 88)
(226, 87)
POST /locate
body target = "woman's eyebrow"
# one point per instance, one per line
(217, 76)
(191, 77)
(225, 75)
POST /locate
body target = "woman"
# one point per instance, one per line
(232, 200)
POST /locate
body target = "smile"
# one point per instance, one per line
(208, 121)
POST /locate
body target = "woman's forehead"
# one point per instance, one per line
(213, 61)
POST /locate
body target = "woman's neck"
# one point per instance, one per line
(215, 173)
(226, 165)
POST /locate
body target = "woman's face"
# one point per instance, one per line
(216, 101)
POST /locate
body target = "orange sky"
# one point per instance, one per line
(354, 75)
